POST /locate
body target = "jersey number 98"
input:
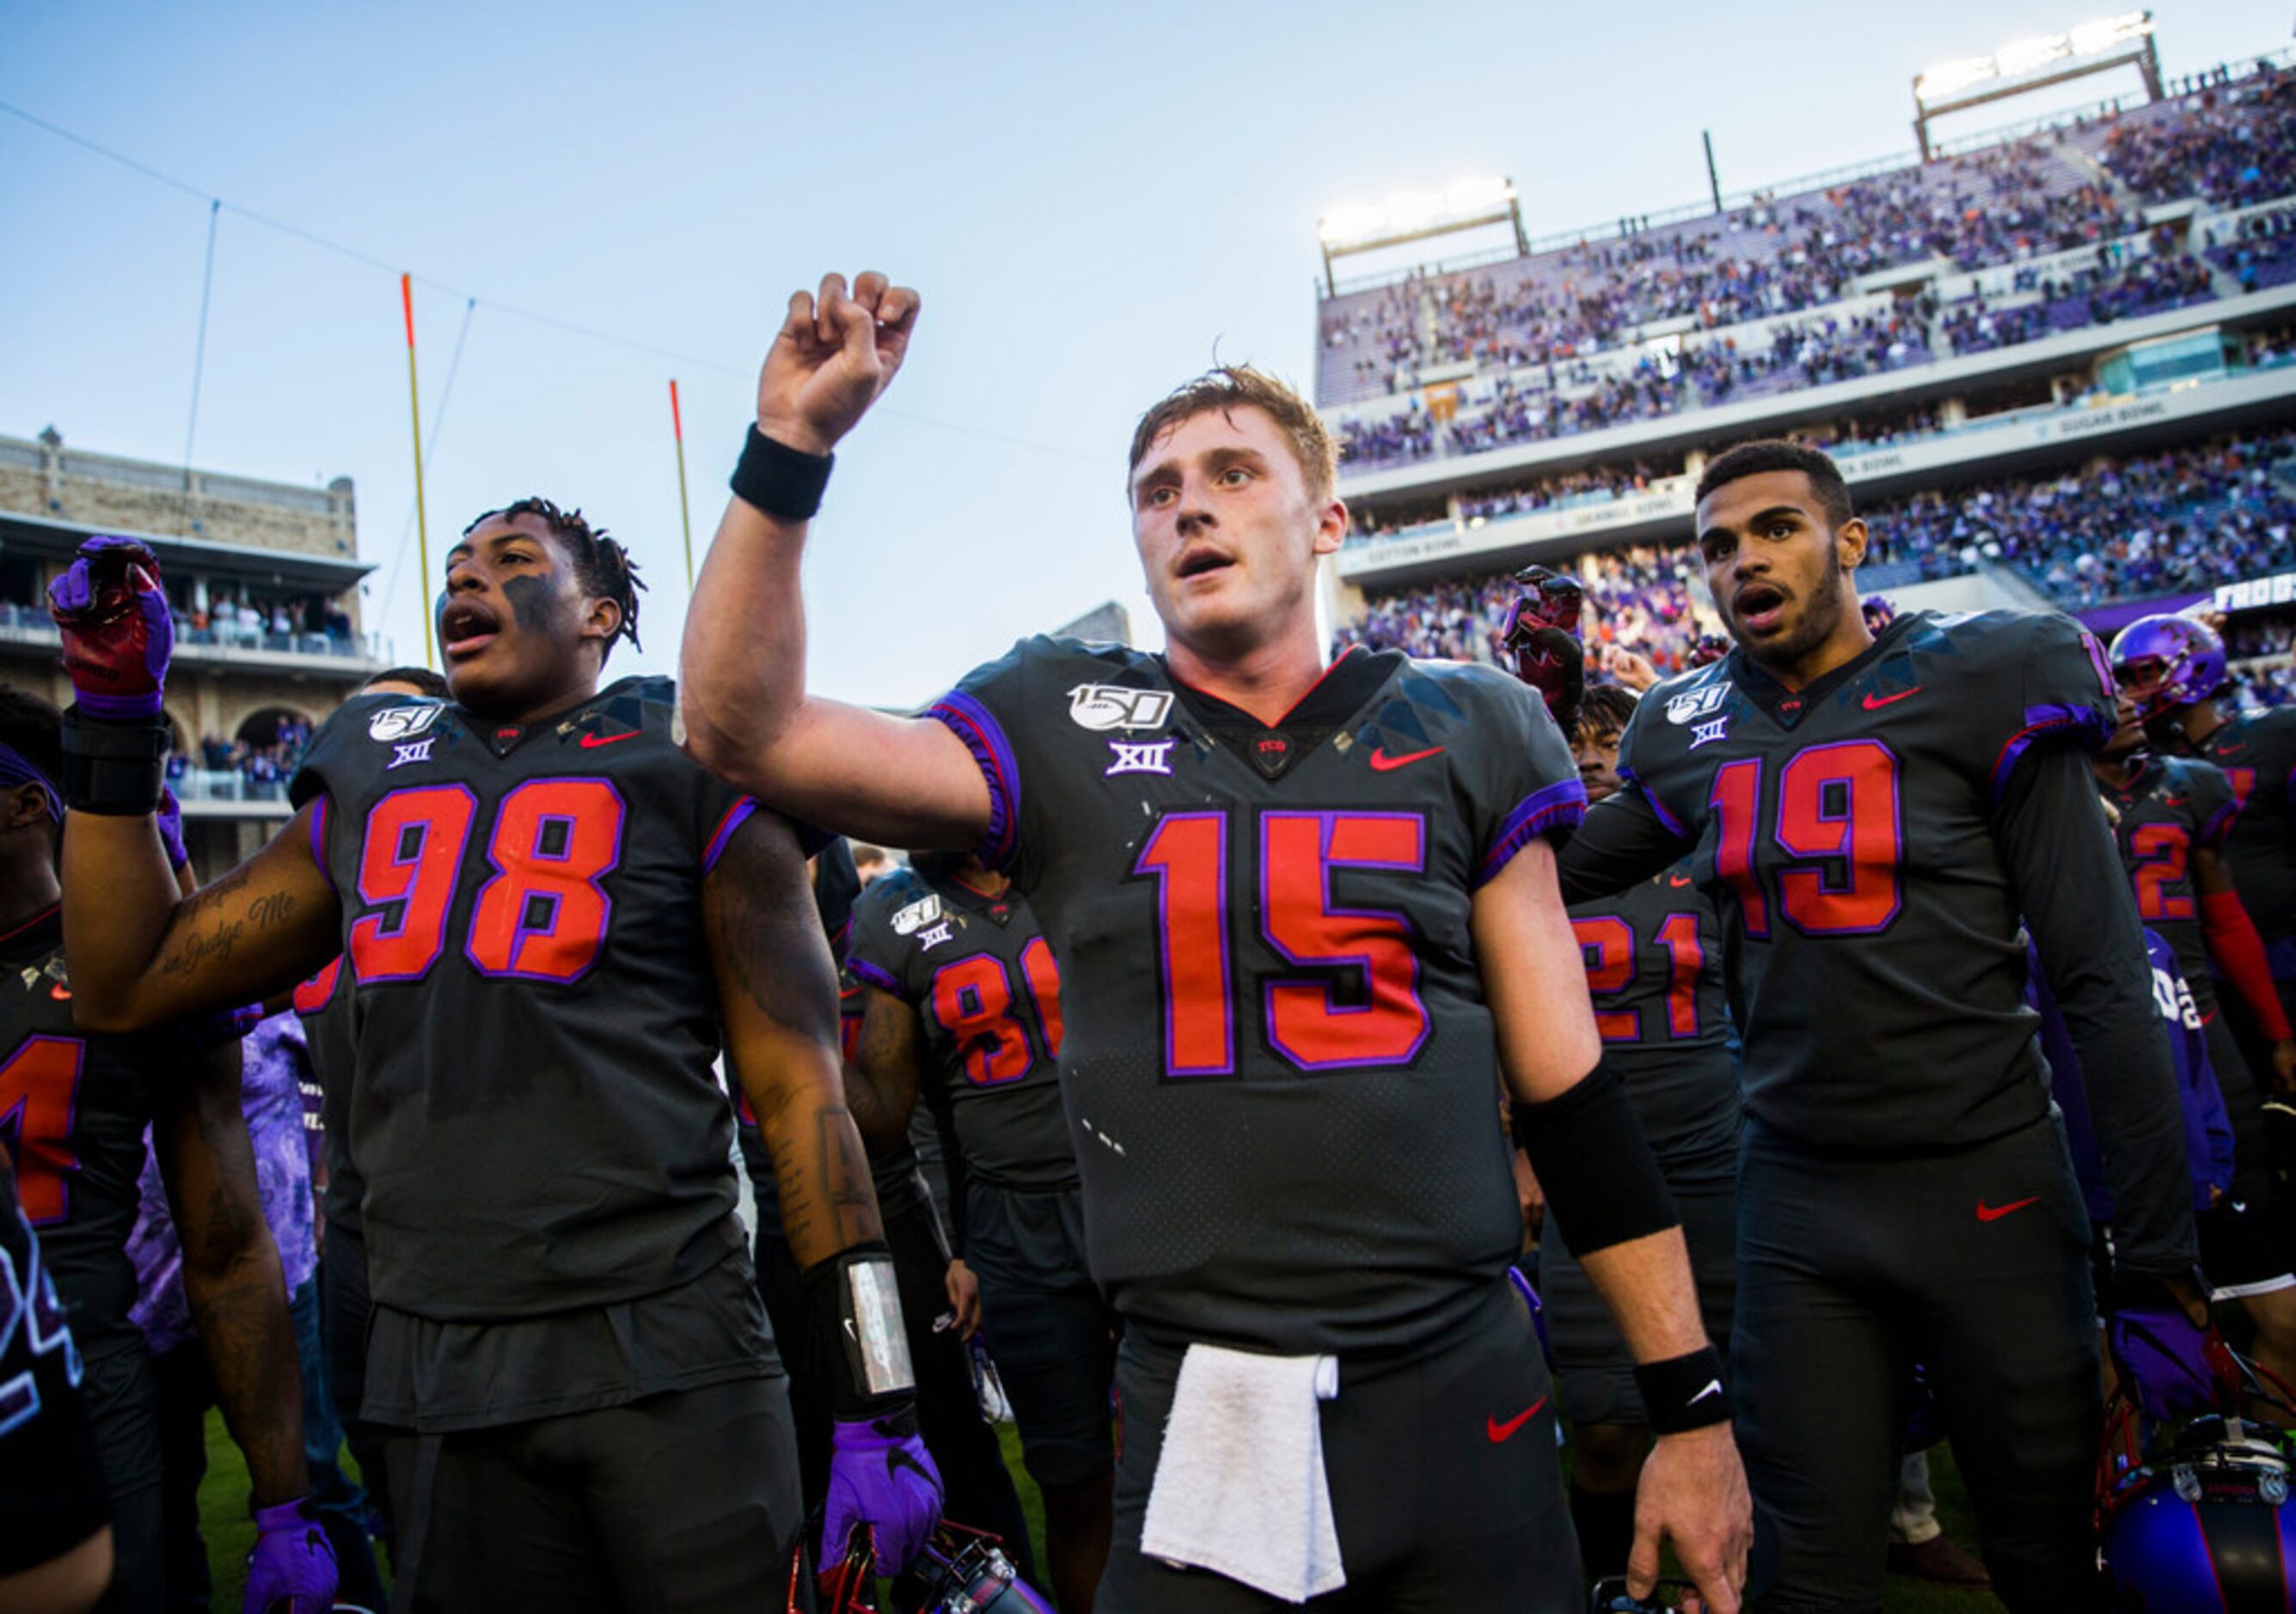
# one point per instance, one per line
(541, 917)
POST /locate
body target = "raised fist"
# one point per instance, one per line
(118, 634)
(1542, 637)
(834, 354)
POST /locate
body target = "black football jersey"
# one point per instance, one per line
(2169, 807)
(1654, 956)
(2257, 756)
(1877, 973)
(1279, 1064)
(73, 1109)
(981, 977)
(323, 1001)
(533, 1019)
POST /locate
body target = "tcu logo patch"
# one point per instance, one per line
(411, 750)
(396, 723)
(1153, 758)
(922, 912)
(1695, 704)
(1100, 707)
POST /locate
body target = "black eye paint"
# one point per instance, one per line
(530, 603)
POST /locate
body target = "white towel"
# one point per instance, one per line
(1239, 1487)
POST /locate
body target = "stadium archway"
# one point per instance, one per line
(270, 726)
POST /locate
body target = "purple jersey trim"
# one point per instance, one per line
(866, 970)
(984, 737)
(1673, 825)
(2083, 725)
(2220, 824)
(736, 816)
(319, 843)
(1562, 805)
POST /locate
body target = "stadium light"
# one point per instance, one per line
(1464, 204)
(1409, 213)
(2094, 47)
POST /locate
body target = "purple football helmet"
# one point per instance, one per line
(959, 1570)
(2202, 1523)
(2164, 663)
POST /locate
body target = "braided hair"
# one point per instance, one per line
(602, 565)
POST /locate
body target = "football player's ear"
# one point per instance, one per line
(602, 619)
(1330, 526)
(28, 805)
(1850, 541)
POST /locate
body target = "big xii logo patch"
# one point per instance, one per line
(1101, 706)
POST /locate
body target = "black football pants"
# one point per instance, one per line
(1445, 1495)
(680, 1504)
(1852, 1269)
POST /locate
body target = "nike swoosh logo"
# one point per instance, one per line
(1874, 703)
(1713, 1388)
(1381, 763)
(1499, 1431)
(2173, 801)
(1678, 880)
(1994, 1213)
(591, 742)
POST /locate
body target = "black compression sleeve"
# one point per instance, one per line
(1622, 842)
(1598, 1172)
(2058, 852)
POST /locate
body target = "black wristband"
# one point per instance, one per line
(783, 481)
(1599, 1174)
(114, 767)
(853, 1307)
(1683, 1393)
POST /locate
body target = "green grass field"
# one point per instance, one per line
(223, 1513)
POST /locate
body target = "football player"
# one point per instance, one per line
(962, 1006)
(1654, 967)
(55, 1510)
(1876, 815)
(1300, 910)
(2174, 668)
(75, 1106)
(550, 922)
(323, 1001)
(978, 1487)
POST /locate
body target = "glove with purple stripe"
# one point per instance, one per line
(881, 1475)
(118, 634)
(1542, 637)
(2177, 1368)
(292, 1569)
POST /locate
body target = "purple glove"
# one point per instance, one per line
(171, 828)
(117, 633)
(292, 1569)
(2175, 1370)
(881, 1475)
(1542, 637)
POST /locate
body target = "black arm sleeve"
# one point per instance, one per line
(1621, 842)
(2062, 864)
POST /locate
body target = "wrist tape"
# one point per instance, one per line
(784, 482)
(853, 1306)
(113, 766)
(1684, 1392)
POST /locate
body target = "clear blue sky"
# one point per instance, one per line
(1094, 201)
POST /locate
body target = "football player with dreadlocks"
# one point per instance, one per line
(550, 922)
